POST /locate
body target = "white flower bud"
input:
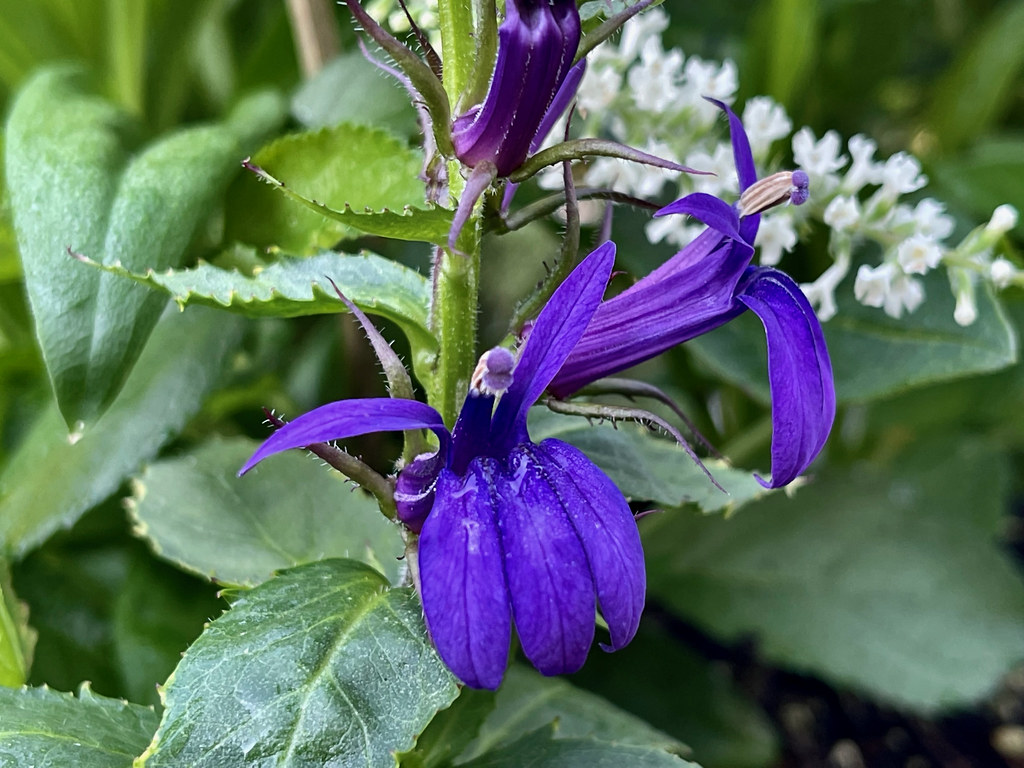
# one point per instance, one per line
(1004, 218)
(842, 213)
(1002, 271)
(966, 311)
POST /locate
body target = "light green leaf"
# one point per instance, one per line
(196, 512)
(77, 185)
(183, 362)
(686, 696)
(647, 466)
(527, 701)
(349, 89)
(874, 355)
(334, 181)
(888, 580)
(321, 665)
(47, 729)
(17, 639)
(292, 287)
(979, 84)
(541, 749)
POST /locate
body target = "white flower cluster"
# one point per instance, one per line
(650, 98)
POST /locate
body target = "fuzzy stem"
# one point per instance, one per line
(458, 46)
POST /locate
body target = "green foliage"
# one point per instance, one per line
(48, 729)
(870, 577)
(989, 174)
(184, 361)
(17, 639)
(196, 512)
(78, 184)
(345, 179)
(323, 664)
(648, 467)
(874, 355)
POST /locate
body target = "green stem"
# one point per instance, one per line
(458, 46)
(127, 41)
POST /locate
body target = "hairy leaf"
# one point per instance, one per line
(321, 665)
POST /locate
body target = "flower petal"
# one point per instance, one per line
(350, 418)
(717, 214)
(608, 532)
(799, 370)
(465, 598)
(690, 294)
(558, 327)
(548, 575)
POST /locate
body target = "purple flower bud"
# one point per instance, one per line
(536, 45)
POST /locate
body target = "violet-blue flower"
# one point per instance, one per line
(707, 284)
(510, 530)
(536, 45)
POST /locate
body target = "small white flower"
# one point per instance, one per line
(765, 122)
(721, 164)
(706, 78)
(598, 90)
(1002, 271)
(821, 295)
(1004, 218)
(613, 173)
(673, 230)
(966, 310)
(638, 30)
(842, 213)
(863, 168)
(918, 254)
(821, 159)
(930, 220)
(901, 174)
(656, 81)
(775, 235)
(649, 180)
(904, 293)
(871, 288)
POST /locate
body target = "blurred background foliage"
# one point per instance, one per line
(942, 78)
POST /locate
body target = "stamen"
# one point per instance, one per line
(493, 374)
(779, 188)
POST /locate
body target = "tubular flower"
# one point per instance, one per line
(536, 45)
(709, 283)
(510, 530)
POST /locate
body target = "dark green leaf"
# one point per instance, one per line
(541, 750)
(674, 689)
(184, 361)
(47, 729)
(979, 84)
(350, 89)
(197, 513)
(451, 731)
(989, 174)
(647, 466)
(891, 581)
(75, 184)
(527, 701)
(321, 665)
(874, 355)
(334, 180)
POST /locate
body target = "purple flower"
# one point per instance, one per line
(510, 530)
(536, 45)
(709, 283)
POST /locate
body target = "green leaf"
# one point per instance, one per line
(787, 32)
(888, 580)
(75, 184)
(541, 749)
(349, 89)
(197, 513)
(723, 726)
(989, 174)
(646, 466)
(17, 639)
(321, 665)
(874, 355)
(292, 287)
(527, 701)
(980, 83)
(451, 731)
(328, 179)
(184, 361)
(48, 729)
